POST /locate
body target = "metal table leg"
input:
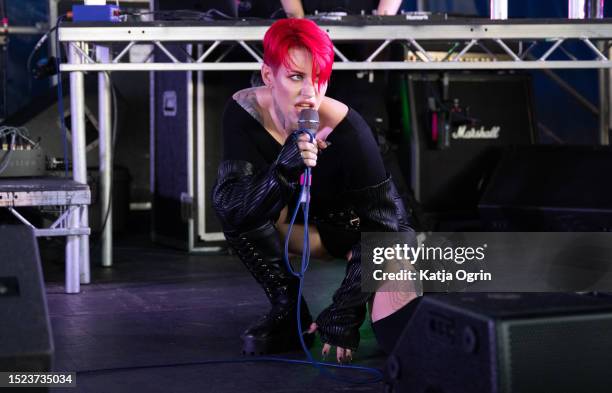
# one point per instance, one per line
(77, 247)
(604, 100)
(106, 154)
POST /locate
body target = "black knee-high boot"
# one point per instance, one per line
(261, 251)
(245, 196)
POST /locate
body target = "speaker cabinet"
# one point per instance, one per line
(550, 188)
(26, 343)
(504, 343)
(460, 122)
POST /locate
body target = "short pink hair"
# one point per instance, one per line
(285, 34)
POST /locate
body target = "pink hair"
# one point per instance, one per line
(285, 34)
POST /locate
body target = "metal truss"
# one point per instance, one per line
(431, 46)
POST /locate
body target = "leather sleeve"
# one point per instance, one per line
(243, 196)
(380, 209)
(339, 323)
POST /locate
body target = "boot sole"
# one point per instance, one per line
(255, 347)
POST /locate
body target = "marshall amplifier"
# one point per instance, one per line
(460, 122)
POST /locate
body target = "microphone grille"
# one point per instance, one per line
(309, 120)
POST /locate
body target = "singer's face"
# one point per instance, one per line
(293, 88)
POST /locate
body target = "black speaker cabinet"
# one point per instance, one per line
(26, 343)
(550, 188)
(504, 343)
(459, 124)
(187, 109)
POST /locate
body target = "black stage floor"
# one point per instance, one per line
(147, 324)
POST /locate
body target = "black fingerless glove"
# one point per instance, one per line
(289, 163)
(339, 323)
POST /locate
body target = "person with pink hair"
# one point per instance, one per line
(258, 183)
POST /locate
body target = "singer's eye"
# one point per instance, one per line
(296, 77)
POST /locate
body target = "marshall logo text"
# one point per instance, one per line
(481, 133)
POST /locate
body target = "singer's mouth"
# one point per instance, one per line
(304, 105)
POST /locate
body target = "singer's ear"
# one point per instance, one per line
(267, 75)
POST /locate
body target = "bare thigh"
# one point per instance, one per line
(386, 303)
(296, 239)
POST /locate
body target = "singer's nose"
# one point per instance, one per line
(308, 89)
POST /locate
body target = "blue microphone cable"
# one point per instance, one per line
(304, 203)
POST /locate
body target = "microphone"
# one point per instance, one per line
(309, 122)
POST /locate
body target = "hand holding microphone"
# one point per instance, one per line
(308, 150)
(308, 125)
(301, 148)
